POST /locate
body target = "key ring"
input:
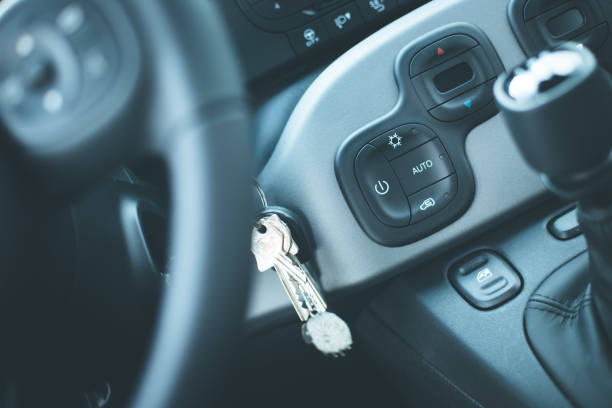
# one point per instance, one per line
(260, 193)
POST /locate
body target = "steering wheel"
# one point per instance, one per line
(87, 85)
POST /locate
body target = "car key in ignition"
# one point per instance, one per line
(273, 245)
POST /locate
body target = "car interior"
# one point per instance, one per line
(306, 203)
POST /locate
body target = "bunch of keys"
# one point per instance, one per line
(274, 248)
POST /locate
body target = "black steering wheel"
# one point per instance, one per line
(86, 85)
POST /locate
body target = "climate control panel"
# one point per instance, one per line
(394, 170)
(406, 174)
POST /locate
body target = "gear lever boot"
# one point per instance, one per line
(558, 107)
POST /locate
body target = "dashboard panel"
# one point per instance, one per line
(355, 91)
(351, 100)
(293, 36)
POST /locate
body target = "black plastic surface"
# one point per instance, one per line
(426, 316)
(277, 9)
(296, 13)
(565, 225)
(277, 52)
(476, 59)
(543, 24)
(410, 110)
(565, 23)
(485, 279)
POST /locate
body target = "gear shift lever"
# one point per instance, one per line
(558, 107)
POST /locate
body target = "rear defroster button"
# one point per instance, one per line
(381, 187)
(433, 199)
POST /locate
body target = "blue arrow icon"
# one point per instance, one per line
(468, 103)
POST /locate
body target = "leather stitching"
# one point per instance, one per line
(563, 308)
(559, 312)
(578, 299)
(566, 315)
(575, 305)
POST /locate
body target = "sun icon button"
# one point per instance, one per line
(395, 140)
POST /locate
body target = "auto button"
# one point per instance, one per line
(381, 187)
(422, 166)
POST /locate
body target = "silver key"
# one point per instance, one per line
(274, 247)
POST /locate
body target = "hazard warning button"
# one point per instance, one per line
(440, 51)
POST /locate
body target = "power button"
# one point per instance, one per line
(381, 187)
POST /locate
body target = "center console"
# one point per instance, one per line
(406, 175)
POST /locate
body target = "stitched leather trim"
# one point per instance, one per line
(562, 305)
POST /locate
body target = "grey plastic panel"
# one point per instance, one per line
(427, 313)
(356, 89)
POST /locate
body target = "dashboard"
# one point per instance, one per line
(471, 178)
(410, 181)
(293, 36)
(378, 141)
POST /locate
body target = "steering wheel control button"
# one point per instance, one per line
(398, 141)
(12, 92)
(309, 37)
(485, 279)
(453, 78)
(71, 19)
(24, 45)
(381, 188)
(433, 199)
(372, 9)
(344, 20)
(440, 51)
(52, 101)
(465, 104)
(423, 166)
(95, 64)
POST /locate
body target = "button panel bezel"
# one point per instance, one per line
(410, 110)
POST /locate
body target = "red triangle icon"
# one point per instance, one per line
(441, 51)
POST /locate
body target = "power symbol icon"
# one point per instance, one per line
(381, 187)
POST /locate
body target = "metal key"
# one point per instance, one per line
(274, 247)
